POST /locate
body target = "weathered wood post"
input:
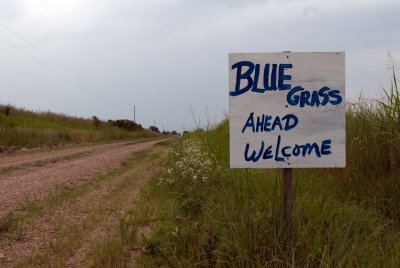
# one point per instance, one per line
(287, 195)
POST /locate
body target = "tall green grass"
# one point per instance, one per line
(373, 152)
(342, 217)
(22, 128)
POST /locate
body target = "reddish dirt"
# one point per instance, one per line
(38, 179)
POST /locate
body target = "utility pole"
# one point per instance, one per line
(134, 113)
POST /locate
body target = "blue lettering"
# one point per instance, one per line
(256, 76)
(301, 97)
(326, 147)
(249, 123)
(240, 76)
(267, 123)
(288, 125)
(304, 96)
(293, 99)
(245, 69)
(260, 123)
(267, 86)
(287, 151)
(263, 123)
(268, 153)
(277, 122)
(336, 95)
(315, 99)
(284, 151)
(308, 148)
(296, 150)
(253, 157)
(283, 77)
(278, 144)
(322, 93)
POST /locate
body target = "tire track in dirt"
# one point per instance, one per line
(34, 183)
(103, 231)
(47, 229)
(32, 157)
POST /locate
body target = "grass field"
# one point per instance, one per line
(21, 128)
(205, 214)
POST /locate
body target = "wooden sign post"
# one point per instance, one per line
(287, 195)
(287, 110)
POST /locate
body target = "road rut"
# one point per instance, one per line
(34, 176)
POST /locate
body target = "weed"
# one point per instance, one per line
(342, 217)
(6, 223)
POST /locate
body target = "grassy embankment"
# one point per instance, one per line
(21, 128)
(205, 214)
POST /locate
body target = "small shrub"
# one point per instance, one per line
(96, 121)
(126, 124)
(191, 164)
(7, 110)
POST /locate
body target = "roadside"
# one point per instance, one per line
(64, 228)
(33, 177)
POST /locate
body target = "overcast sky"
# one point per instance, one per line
(170, 57)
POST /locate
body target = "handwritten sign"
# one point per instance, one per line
(287, 110)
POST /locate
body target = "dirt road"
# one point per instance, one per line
(33, 176)
(84, 189)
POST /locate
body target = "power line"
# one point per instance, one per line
(57, 63)
(51, 69)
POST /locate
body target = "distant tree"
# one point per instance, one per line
(7, 110)
(96, 121)
(154, 129)
(126, 124)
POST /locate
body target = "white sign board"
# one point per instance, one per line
(287, 110)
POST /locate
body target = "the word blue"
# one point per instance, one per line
(272, 74)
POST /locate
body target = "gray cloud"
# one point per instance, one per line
(164, 56)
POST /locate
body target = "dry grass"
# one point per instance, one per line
(21, 128)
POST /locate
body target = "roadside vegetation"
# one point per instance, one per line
(20, 128)
(201, 213)
(204, 214)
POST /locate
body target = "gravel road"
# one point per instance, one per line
(32, 177)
